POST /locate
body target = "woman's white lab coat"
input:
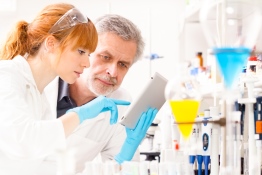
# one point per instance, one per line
(27, 133)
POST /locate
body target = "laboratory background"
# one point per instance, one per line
(224, 134)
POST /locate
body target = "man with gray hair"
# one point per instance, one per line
(120, 45)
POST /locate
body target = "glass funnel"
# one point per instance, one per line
(230, 62)
(182, 93)
(231, 28)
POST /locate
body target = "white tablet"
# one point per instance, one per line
(152, 95)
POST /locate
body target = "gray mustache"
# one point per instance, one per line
(108, 79)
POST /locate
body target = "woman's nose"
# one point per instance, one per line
(86, 62)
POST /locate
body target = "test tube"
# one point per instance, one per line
(153, 168)
(97, 168)
(111, 168)
(143, 168)
(237, 143)
(162, 168)
(88, 169)
(130, 168)
(246, 155)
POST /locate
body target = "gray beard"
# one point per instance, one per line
(102, 90)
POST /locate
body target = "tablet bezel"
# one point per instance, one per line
(152, 95)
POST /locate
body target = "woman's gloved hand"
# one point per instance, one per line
(135, 136)
(98, 105)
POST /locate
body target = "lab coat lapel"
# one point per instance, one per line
(51, 92)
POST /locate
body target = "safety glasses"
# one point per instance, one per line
(71, 18)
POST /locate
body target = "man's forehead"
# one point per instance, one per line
(115, 46)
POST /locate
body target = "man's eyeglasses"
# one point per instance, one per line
(71, 18)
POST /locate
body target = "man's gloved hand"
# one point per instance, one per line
(134, 137)
(98, 105)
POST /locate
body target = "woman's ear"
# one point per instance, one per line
(50, 44)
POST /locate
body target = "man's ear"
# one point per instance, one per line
(50, 44)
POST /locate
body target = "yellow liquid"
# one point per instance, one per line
(184, 111)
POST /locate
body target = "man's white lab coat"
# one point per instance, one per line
(27, 131)
(94, 138)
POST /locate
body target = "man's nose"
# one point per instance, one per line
(112, 70)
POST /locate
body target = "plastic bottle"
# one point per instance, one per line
(259, 65)
(252, 63)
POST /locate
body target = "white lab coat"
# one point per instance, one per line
(94, 137)
(27, 133)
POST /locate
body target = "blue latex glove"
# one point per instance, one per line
(98, 105)
(135, 136)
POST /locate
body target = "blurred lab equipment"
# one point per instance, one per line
(183, 95)
(149, 147)
(231, 42)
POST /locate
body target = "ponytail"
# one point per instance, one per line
(16, 43)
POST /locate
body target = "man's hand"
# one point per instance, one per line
(135, 136)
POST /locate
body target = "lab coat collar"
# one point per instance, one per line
(23, 65)
(63, 90)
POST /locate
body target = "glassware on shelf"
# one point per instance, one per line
(231, 28)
